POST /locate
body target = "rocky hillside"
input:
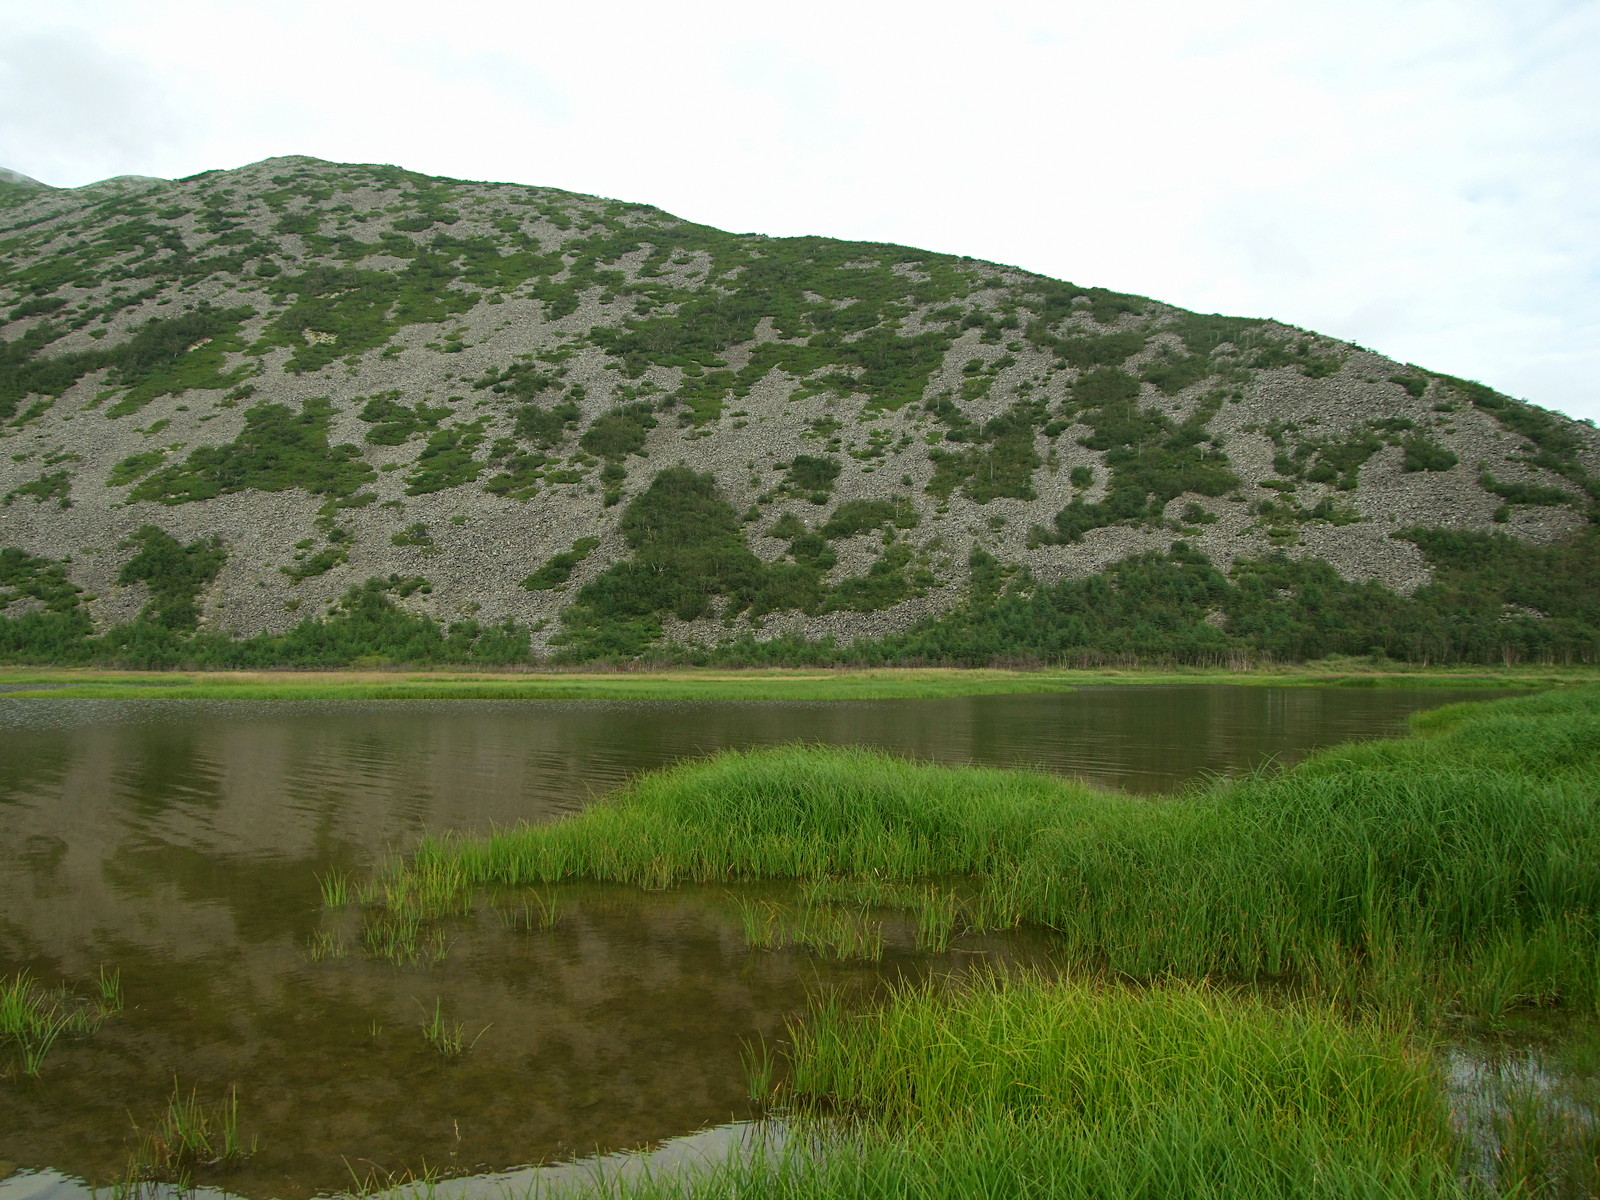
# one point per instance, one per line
(238, 403)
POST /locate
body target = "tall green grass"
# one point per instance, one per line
(1021, 1087)
(1460, 868)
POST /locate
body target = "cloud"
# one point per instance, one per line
(70, 108)
(1419, 175)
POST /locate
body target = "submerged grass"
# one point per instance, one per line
(830, 930)
(1458, 869)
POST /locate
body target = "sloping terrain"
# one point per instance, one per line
(308, 412)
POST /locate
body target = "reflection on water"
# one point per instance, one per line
(181, 841)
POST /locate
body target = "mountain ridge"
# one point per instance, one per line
(604, 431)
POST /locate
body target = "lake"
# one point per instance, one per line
(182, 843)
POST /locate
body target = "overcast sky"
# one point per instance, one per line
(1420, 177)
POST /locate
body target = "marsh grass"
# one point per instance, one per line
(324, 944)
(448, 1037)
(1543, 1148)
(33, 1018)
(1017, 1086)
(337, 889)
(403, 939)
(109, 984)
(528, 912)
(1456, 871)
(189, 1136)
(755, 684)
(1528, 1125)
(828, 930)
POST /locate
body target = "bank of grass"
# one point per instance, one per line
(1020, 1087)
(1250, 971)
(1457, 870)
(882, 683)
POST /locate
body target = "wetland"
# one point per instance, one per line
(369, 922)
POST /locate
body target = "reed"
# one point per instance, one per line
(529, 912)
(324, 944)
(109, 984)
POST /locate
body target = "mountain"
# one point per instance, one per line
(311, 412)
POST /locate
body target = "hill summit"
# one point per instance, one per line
(305, 412)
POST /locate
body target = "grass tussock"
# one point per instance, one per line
(1021, 1087)
(1457, 869)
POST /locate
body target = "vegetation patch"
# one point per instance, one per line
(278, 449)
(165, 356)
(1153, 459)
(810, 476)
(33, 1019)
(865, 516)
(620, 432)
(53, 485)
(334, 311)
(846, 338)
(1001, 463)
(175, 574)
(446, 461)
(135, 466)
(394, 423)
(688, 548)
(1551, 443)
(543, 427)
(559, 567)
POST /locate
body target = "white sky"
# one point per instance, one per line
(1419, 176)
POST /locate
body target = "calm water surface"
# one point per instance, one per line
(181, 842)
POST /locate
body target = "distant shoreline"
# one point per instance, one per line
(884, 683)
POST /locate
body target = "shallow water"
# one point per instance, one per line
(180, 842)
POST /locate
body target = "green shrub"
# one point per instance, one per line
(278, 449)
(546, 427)
(135, 466)
(558, 569)
(164, 356)
(1526, 493)
(620, 432)
(175, 574)
(393, 423)
(688, 547)
(810, 475)
(446, 461)
(1002, 464)
(864, 516)
(54, 485)
(1422, 453)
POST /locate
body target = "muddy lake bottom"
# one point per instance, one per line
(182, 844)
